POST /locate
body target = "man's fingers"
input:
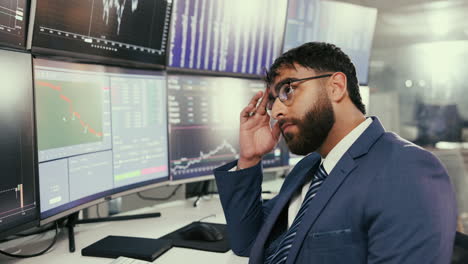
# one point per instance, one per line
(246, 112)
(255, 98)
(250, 109)
(261, 109)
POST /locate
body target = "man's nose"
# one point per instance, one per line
(278, 109)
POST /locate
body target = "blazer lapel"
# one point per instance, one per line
(329, 187)
(299, 177)
(324, 194)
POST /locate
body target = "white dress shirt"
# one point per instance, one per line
(328, 163)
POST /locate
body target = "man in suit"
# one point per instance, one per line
(361, 195)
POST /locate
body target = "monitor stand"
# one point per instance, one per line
(202, 192)
(73, 221)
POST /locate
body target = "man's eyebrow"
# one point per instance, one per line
(284, 81)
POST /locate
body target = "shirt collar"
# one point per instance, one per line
(340, 149)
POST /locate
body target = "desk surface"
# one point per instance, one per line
(173, 216)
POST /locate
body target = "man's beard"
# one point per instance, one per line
(313, 128)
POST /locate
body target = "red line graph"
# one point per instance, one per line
(70, 107)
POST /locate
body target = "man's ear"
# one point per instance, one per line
(337, 87)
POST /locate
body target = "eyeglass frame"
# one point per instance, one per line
(272, 99)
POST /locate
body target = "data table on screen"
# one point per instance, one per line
(139, 124)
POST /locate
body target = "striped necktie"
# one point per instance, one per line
(280, 255)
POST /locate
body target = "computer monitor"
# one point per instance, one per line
(350, 27)
(102, 132)
(13, 23)
(18, 203)
(234, 37)
(437, 123)
(204, 124)
(109, 31)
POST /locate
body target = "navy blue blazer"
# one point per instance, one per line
(386, 201)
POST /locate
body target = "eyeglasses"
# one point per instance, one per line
(285, 91)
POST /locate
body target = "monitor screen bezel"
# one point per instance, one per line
(190, 71)
(211, 176)
(91, 200)
(82, 58)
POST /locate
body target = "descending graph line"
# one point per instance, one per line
(203, 156)
(119, 9)
(73, 114)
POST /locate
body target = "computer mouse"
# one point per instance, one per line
(202, 232)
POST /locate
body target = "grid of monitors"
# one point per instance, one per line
(104, 130)
(18, 205)
(237, 37)
(350, 27)
(204, 123)
(13, 14)
(100, 131)
(105, 30)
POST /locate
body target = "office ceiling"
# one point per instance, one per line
(406, 22)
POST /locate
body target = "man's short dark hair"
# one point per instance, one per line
(321, 57)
